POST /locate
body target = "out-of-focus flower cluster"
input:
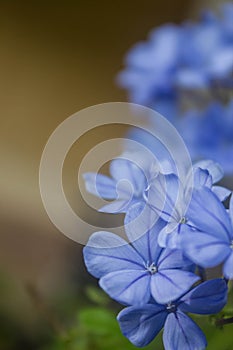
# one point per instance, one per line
(185, 72)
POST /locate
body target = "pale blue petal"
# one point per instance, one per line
(141, 325)
(142, 226)
(169, 236)
(208, 214)
(129, 287)
(228, 267)
(214, 169)
(118, 206)
(165, 196)
(180, 332)
(169, 285)
(207, 298)
(173, 258)
(201, 178)
(100, 185)
(123, 169)
(203, 249)
(106, 252)
(231, 213)
(221, 192)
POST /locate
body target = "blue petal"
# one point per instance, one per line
(231, 212)
(118, 206)
(214, 169)
(165, 196)
(100, 185)
(201, 178)
(207, 298)
(173, 258)
(142, 227)
(129, 287)
(124, 169)
(106, 252)
(228, 267)
(169, 285)
(169, 236)
(203, 249)
(180, 332)
(221, 192)
(141, 325)
(208, 214)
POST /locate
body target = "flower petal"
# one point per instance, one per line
(142, 226)
(165, 196)
(173, 258)
(228, 267)
(180, 332)
(169, 285)
(100, 185)
(204, 249)
(118, 206)
(221, 192)
(207, 298)
(124, 169)
(214, 169)
(201, 178)
(141, 325)
(169, 236)
(231, 211)
(208, 214)
(106, 252)
(130, 287)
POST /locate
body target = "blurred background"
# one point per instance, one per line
(58, 57)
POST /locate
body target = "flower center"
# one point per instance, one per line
(183, 220)
(152, 268)
(231, 245)
(171, 307)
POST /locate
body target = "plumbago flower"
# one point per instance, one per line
(171, 199)
(156, 282)
(128, 181)
(141, 324)
(212, 241)
(209, 134)
(133, 273)
(181, 58)
(131, 174)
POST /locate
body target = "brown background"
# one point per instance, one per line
(57, 57)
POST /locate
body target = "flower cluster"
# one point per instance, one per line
(187, 70)
(174, 230)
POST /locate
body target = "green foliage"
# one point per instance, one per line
(96, 328)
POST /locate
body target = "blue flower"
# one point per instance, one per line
(126, 186)
(209, 134)
(212, 241)
(150, 65)
(132, 273)
(141, 324)
(175, 59)
(171, 199)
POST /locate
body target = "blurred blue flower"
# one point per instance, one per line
(141, 324)
(192, 56)
(133, 273)
(209, 134)
(212, 241)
